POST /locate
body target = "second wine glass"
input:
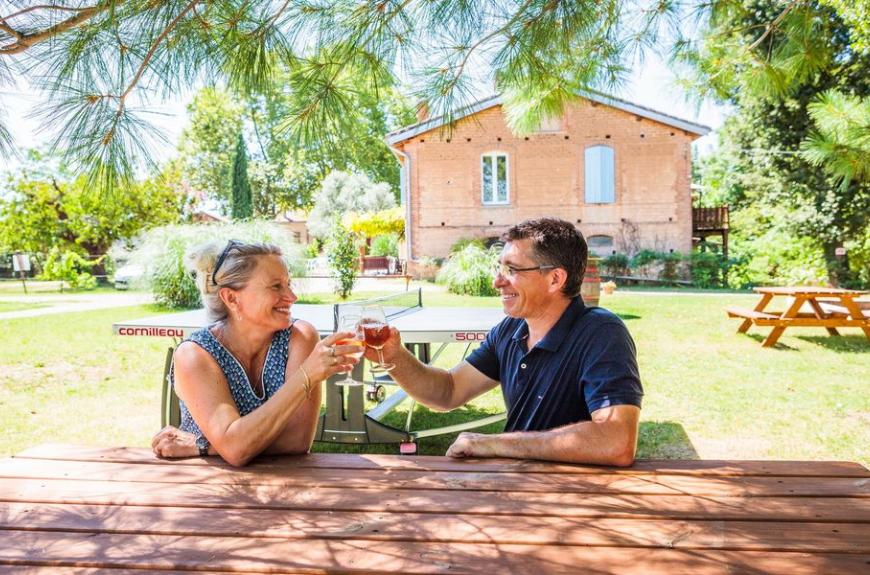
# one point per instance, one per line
(349, 320)
(376, 332)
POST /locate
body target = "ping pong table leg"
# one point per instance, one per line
(170, 410)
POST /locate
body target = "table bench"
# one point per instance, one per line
(76, 509)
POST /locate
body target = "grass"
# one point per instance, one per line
(15, 287)
(710, 392)
(17, 306)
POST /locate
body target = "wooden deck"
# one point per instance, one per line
(69, 509)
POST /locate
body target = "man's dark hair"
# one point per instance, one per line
(556, 243)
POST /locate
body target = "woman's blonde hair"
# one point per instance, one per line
(235, 262)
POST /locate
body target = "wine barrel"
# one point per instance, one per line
(591, 287)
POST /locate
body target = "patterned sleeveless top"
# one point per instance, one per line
(240, 388)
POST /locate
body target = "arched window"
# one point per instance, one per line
(494, 185)
(599, 172)
(601, 246)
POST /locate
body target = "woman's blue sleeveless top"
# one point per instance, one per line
(240, 388)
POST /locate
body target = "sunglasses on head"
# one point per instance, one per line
(220, 261)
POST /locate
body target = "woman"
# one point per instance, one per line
(249, 382)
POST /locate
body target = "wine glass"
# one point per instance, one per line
(376, 332)
(349, 320)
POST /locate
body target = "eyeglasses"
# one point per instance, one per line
(220, 261)
(508, 271)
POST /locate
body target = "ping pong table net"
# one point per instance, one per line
(394, 305)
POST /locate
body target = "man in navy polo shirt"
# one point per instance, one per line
(568, 372)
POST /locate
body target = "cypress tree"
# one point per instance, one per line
(243, 205)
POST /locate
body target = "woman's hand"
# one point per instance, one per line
(172, 443)
(328, 358)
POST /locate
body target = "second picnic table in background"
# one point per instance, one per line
(830, 308)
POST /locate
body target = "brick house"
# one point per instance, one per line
(620, 171)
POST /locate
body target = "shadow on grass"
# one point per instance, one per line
(841, 343)
(664, 440)
(627, 316)
(778, 345)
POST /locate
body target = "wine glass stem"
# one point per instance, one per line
(380, 356)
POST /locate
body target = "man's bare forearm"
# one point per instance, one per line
(431, 386)
(585, 442)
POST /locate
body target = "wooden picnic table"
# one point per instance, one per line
(829, 308)
(66, 509)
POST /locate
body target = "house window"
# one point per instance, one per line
(599, 175)
(494, 178)
(601, 246)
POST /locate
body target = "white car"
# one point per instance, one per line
(127, 274)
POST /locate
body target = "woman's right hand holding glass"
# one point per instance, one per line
(328, 358)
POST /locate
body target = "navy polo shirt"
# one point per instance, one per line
(586, 361)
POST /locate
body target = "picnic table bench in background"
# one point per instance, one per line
(67, 508)
(829, 308)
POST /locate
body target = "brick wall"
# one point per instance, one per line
(546, 178)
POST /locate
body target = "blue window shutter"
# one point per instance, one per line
(599, 170)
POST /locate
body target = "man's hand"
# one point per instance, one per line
(471, 445)
(392, 348)
(172, 443)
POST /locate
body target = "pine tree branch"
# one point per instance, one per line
(171, 26)
(775, 24)
(26, 41)
(43, 7)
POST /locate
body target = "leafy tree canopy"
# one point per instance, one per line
(342, 193)
(46, 210)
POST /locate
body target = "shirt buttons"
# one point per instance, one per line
(522, 366)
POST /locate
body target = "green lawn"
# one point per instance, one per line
(17, 306)
(710, 392)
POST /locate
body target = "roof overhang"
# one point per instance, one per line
(406, 133)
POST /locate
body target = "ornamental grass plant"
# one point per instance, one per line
(161, 256)
(469, 271)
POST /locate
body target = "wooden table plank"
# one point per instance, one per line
(436, 463)
(439, 527)
(55, 570)
(659, 484)
(821, 509)
(322, 556)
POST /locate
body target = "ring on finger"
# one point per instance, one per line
(332, 351)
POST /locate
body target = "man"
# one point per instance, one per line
(568, 373)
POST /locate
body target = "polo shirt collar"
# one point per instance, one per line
(559, 332)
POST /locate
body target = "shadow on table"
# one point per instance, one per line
(664, 440)
(840, 344)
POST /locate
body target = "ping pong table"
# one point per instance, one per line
(345, 419)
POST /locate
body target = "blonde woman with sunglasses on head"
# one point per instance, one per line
(249, 382)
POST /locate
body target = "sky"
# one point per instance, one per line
(651, 85)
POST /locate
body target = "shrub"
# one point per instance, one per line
(615, 265)
(670, 266)
(161, 251)
(70, 267)
(342, 255)
(708, 269)
(385, 245)
(469, 272)
(463, 242)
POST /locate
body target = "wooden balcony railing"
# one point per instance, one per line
(710, 218)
